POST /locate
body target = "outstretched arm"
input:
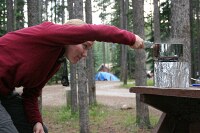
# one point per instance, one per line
(60, 35)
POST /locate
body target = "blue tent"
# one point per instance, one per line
(105, 76)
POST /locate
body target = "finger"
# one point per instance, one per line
(142, 45)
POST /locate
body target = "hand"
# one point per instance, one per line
(38, 128)
(139, 43)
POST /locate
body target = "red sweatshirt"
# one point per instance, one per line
(29, 57)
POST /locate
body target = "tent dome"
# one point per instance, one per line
(105, 76)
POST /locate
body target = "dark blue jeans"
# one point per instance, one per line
(12, 115)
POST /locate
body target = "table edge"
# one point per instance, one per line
(191, 92)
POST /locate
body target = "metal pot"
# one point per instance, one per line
(167, 52)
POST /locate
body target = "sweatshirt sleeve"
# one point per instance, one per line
(30, 99)
(59, 35)
(73, 34)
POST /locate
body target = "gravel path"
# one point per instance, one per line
(108, 93)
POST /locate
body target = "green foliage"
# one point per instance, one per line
(115, 20)
(130, 53)
(164, 19)
(98, 53)
(60, 9)
(149, 37)
(113, 51)
(98, 59)
(2, 32)
(150, 60)
(19, 14)
(103, 6)
(115, 59)
(3, 20)
(131, 63)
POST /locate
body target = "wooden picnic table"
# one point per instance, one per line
(180, 107)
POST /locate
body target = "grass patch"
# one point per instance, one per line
(60, 114)
(101, 119)
(150, 82)
(129, 85)
(97, 113)
(154, 120)
(58, 118)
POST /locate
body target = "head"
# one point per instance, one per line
(74, 53)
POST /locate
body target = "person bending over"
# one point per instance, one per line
(29, 57)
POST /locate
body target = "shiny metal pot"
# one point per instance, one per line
(167, 52)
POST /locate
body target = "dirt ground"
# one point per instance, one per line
(107, 93)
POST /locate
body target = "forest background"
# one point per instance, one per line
(166, 20)
(107, 12)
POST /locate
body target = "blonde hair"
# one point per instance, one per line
(75, 22)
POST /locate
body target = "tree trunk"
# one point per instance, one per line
(180, 27)
(123, 25)
(63, 11)
(195, 47)
(70, 9)
(73, 82)
(156, 21)
(33, 14)
(40, 11)
(73, 86)
(103, 43)
(10, 19)
(104, 53)
(82, 80)
(90, 59)
(125, 71)
(83, 98)
(121, 5)
(197, 62)
(142, 111)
